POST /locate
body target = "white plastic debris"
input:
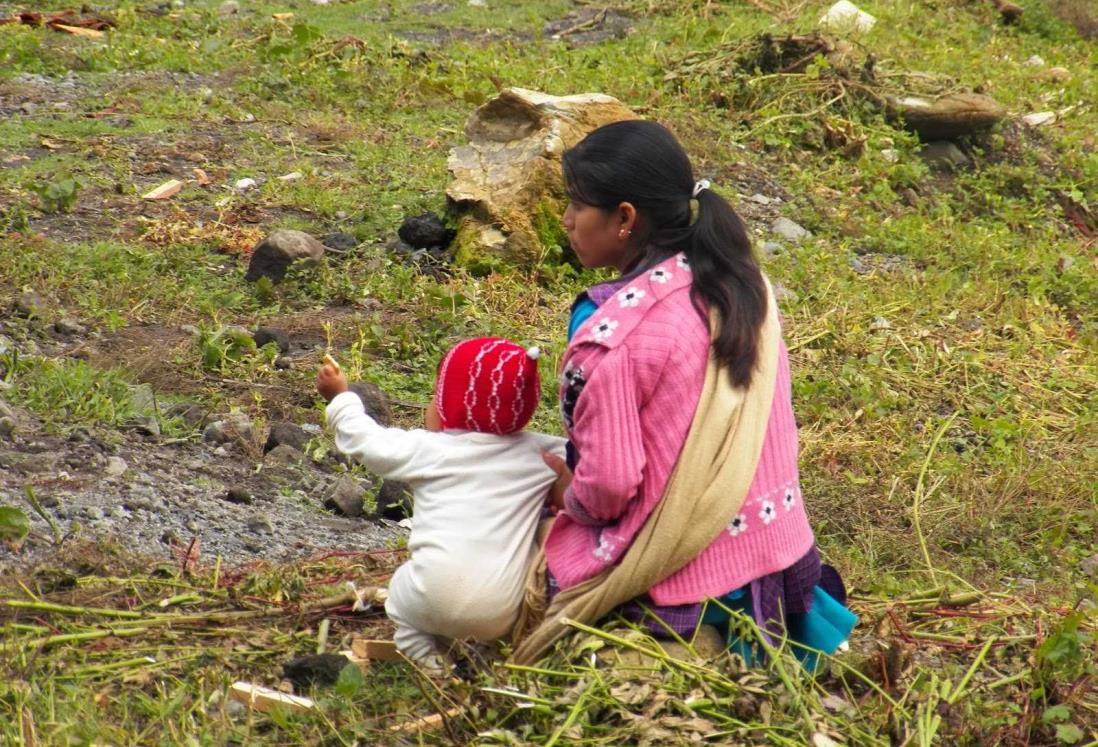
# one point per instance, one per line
(1039, 119)
(846, 16)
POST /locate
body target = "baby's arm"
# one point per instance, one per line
(391, 452)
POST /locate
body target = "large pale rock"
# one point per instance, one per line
(508, 176)
(949, 117)
(274, 255)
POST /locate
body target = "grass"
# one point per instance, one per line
(942, 330)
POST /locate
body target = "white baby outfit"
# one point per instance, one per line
(478, 499)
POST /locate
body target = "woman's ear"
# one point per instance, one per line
(627, 214)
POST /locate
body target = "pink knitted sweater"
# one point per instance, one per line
(634, 373)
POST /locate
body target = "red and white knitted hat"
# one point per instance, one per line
(488, 385)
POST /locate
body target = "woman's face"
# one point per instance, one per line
(598, 237)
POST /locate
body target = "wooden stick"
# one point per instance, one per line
(366, 648)
(265, 699)
(427, 723)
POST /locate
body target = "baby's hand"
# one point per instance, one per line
(330, 382)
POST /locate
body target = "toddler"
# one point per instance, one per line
(479, 484)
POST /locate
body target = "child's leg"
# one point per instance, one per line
(403, 607)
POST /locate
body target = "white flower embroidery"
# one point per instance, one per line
(788, 500)
(631, 297)
(604, 329)
(605, 550)
(737, 525)
(660, 275)
(682, 263)
(768, 512)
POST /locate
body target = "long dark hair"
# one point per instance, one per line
(641, 162)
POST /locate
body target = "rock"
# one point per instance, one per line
(944, 155)
(1035, 61)
(229, 8)
(910, 197)
(890, 155)
(284, 363)
(190, 413)
(286, 433)
(425, 231)
(284, 455)
(243, 185)
(266, 335)
(146, 425)
(116, 467)
(346, 496)
(240, 496)
(1056, 74)
(233, 427)
(784, 295)
(373, 399)
(273, 256)
(880, 323)
(30, 305)
(142, 398)
(1090, 566)
(69, 328)
(1039, 119)
(190, 329)
(7, 427)
(760, 199)
(789, 230)
(340, 242)
(770, 248)
(949, 117)
(5, 410)
(259, 524)
(394, 500)
(509, 172)
(314, 670)
(93, 513)
(846, 17)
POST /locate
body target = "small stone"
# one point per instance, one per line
(31, 305)
(944, 155)
(425, 231)
(240, 496)
(770, 248)
(340, 242)
(7, 427)
(233, 427)
(760, 199)
(1090, 566)
(5, 410)
(1035, 61)
(286, 433)
(346, 497)
(117, 512)
(284, 363)
(373, 399)
(190, 329)
(93, 513)
(1065, 263)
(789, 230)
(784, 295)
(69, 328)
(190, 413)
(910, 197)
(229, 8)
(223, 451)
(394, 500)
(266, 335)
(477, 3)
(248, 117)
(191, 526)
(142, 397)
(880, 323)
(243, 185)
(273, 256)
(314, 670)
(1039, 119)
(1057, 74)
(116, 467)
(146, 425)
(178, 4)
(284, 455)
(28, 107)
(259, 524)
(890, 155)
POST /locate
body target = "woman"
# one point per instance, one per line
(681, 482)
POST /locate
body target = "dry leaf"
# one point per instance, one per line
(78, 31)
(164, 191)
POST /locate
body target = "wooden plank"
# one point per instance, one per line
(164, 191)
(265, 699)
(427, 723)
(361, 662)
(366, 648)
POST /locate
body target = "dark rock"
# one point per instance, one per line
(69, 328)
(314, 669)
(260, 524)
(394, 500)
(240, 496)
(146, 425)
(273, 256)
(233, 427)
(286, 433)
(284, 363)
(425, 231)
(267, 335)
(31, 305)
(284, 455)
(346, 497)
(944, 155)
(340, 242)
(191, 414)
(373, 399)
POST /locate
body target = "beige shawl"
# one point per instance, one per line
(705, 491)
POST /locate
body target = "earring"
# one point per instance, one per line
(623, 234)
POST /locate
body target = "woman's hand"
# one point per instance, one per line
(330, 382)
(564, 479)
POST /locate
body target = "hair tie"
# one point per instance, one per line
(698, 187)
